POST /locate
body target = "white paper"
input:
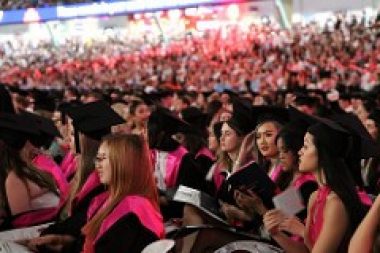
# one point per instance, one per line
(289, 201)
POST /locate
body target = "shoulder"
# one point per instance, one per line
(335, 207)
(13, 180)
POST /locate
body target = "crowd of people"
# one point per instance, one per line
(19, 4)
(263, 58)
(245, 117)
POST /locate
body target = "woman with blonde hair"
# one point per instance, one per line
(129, 206)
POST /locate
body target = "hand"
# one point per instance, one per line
(293, 225)
(233, 213)
(249, 202)
(272, 220)
(54, 243)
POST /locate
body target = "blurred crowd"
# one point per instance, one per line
(262, 59)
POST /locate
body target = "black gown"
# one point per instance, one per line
(126, 235)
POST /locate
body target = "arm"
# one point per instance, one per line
(18, 200)
(362, 240)
(335, 225)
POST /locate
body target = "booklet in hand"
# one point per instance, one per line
(289, 201)
(252, 177)
(199, 199)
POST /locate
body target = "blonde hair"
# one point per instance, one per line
(131, 174)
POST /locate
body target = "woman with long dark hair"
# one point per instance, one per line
(335, 209)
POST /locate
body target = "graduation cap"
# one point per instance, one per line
(351, 122)
(65, 107)
(330, 134)
(266, 112)
(46, 127)
(16, 129)
(196, 118)
(93, 120)
(163, 120)
(44, 101)
(305, 99)
(241, 121)
(375, 116)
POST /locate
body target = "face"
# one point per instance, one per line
(229, 140)
(142, 113)
(308, 161)
(102, 164)
(266, 139)
(287, 158)
(372, 128)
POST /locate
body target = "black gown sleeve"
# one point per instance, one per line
(73, 224)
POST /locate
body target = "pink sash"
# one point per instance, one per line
(91, 183)
(303, 178)
(46, 164)
(316, 214)
(141, 206)
(205, 152)
(68, 165)
(173, 162)
(276, 173)
(35, 217)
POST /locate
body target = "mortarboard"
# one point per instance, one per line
(163, 120)
(241, 121)
(333, 136)
(93, 120)
(15, 130)
(266, 112)
(351, 122)
(195, 118)
(46, 127)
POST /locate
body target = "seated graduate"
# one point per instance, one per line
(371, 166)
(35, 151)
(93, 121)
(124, 218)
(335, 209)
(195, 142)
(36, 199)
(169, 157)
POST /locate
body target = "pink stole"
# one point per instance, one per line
(68, 165)
(303, 178)
(35, 217)
(218, 176)
(276, 173)
(205, 152)
(364, 198)
(316, 214)
(173, 162)
(91, 183)
(140, 206)
(46, 164)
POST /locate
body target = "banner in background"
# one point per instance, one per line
(100, 9)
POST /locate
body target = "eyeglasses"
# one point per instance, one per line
(99, 159)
